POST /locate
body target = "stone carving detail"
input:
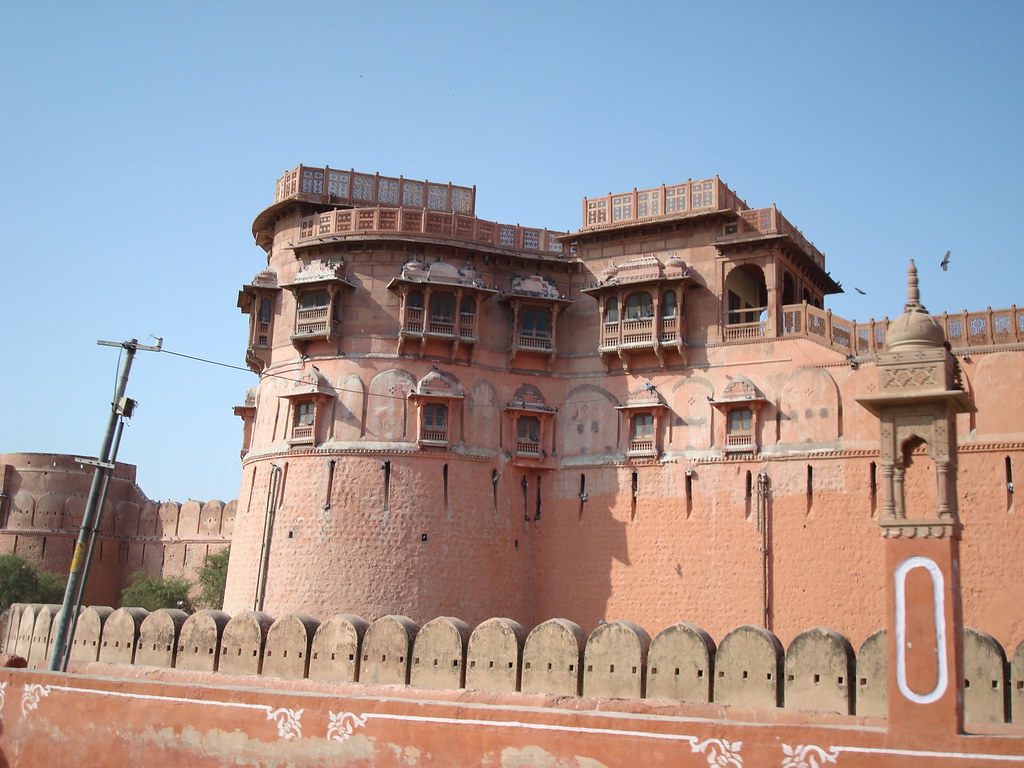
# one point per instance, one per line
(30, 698)
(343, 724)
(289, 722)
(909, 377)
(807, 756)
(719, 752)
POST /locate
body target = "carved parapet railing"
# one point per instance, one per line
(416, 222)
(963, 330)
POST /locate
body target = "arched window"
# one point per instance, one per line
(265, 310)
(639, 305)
(668, 304)
(611, 310)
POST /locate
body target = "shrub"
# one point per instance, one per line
(154, 593)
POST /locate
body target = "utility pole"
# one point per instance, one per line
(121, 407)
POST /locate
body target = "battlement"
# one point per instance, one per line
(748, 667)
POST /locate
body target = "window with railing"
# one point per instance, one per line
(434, 423)
(528, 434)
(303, 421)
(442, 313)
(535, 327)
(641, 433)
(315, 314)
(739, 427)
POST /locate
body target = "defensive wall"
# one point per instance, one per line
(749, 667)
(179, 690)
(42, 502)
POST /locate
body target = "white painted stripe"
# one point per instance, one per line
(939, 609)
(923, 753)
(546, 727)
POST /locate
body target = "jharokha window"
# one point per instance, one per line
(639, 305)
(439, 304)
(258, 300)
(318, 289)
(303, 422)
(435, 422)
(527, 434)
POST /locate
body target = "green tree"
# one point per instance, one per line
(22, 582)
(154, 593)
(212, 579)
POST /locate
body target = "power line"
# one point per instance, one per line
(336, 389)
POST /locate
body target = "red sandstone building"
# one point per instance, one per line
(637, 420)
(652, 418)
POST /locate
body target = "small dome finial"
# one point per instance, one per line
(913, 292)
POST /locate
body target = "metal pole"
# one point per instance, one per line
(92, 543)
(60, 640)
(274, 486)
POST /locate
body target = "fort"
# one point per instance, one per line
(708, 514)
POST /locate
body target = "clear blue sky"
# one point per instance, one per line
(139, 141)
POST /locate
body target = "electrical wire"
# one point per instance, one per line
(336, 389)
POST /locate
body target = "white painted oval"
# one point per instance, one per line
(938, 606)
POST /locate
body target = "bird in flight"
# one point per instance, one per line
(858, 290)
(945, 262)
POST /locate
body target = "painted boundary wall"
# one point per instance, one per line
(177, 718)
(749, 667)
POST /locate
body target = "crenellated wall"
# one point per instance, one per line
(748, 667)
(44, 497)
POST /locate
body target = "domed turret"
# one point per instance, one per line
(915, 328)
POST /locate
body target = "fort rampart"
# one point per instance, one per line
(748, 667)
(41, 505)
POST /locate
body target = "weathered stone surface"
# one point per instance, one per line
(387, 646)
(39, 656)
(872, 676)
(241, 644)
(439, 654)
(1017, 685)
(748, 666)
(158, 638)
(681, 664)
(819, 668)
(552, 658)
(120, 633)
(287, 650)
(199, 641)
(337, 645)
(85, 646)
(615, 661)
(985, 674)
(494, 656)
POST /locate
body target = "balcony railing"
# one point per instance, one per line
(641, 447)
(313, 322)
(301, 433)
(528, 340)
(434, 435)
(963, 329)
(528, 447)
(431, 224)
(741, 440)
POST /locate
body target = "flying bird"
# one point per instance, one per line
(945, 262)
(858, 290)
